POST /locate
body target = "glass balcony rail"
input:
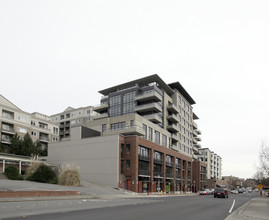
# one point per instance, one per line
(155, 106)
(173, 108)
(169, 164)
(148, 95)
(158, 161)
(158, 174)
(143, 172)
(143, 157)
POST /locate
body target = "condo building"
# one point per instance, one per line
(143, 138)
(13, 120)
(72, 117)
(213, 161)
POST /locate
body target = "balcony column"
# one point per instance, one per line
(164, 172)
(151, 169)
(4, 165)
(20, 167)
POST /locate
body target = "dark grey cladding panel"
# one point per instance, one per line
(87, 132)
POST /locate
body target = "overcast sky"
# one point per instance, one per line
(55, 54)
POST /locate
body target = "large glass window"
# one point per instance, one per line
(164, 140)
(115, 106)
(145, 129)
(157, 137)
(118, 126)
(150, 133)
(128, 102)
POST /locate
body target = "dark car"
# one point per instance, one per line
(221, 192)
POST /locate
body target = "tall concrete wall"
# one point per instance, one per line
(97, 157)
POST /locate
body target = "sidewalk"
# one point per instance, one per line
(256, 208)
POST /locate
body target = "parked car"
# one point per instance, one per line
(221, 192)
(204, 192)
(235, 191)
(240, 190)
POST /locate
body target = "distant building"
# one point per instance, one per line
(213, 161)
(14, 120)
(72, 117)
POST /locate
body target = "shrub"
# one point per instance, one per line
(12, 173)
(35, 163)
(69, 175)
(44, 174)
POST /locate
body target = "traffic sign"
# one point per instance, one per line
(260, 186)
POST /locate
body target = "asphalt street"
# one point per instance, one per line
(178, 207)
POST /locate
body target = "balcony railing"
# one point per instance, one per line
(158, 161)
(169, 164)
(158, 174)
(143, 172)
(170, 175)
(9, 130)
(143, 157)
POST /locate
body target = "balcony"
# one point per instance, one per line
(198, 139)
(169, 175)
(169, 164)
(132, 130)
(8, 130)
(101, 108)
(175, 147)
(173, 128)
(148, 96)
(173, 118)
(158, 161)
(96, 117)
(194, 141)
(6, 139)
(195, 156)
(199, 132)
(195, 149)
(143, 172)
(158, 174)
(44, 139)
(194, 125)
(173, 108)
(143, 157)
(155, 107)
(8, 115)
(155, 118)
(194, 133)
(175, 138)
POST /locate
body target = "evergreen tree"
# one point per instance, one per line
(16, 145)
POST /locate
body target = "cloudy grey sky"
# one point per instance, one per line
(55, 54)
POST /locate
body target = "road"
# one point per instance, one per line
(178, 207)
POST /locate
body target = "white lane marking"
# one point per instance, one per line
(231, 209)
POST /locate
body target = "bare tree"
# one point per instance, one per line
(264, 160)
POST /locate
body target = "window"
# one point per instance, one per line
(142, 151)
(128, 164)
(118, 126)
(157, 137)
(128, 102)
(22, 130)
(73, 122)
(164, 140)
(33, 133)
(145, 129)
(150, 133)
(22, 118)
(115, 106)
(122, 150)
(122, 167)
(132, 123)
(55, 130)
(128, 148)
(103, 128)
(157, 155)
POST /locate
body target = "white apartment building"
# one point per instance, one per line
(13, 120)
(213, 161)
